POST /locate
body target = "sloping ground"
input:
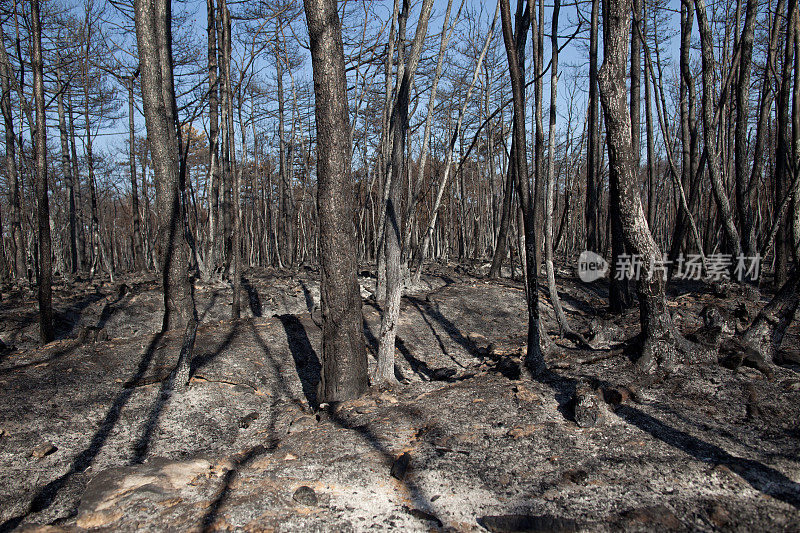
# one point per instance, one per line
(92, 437)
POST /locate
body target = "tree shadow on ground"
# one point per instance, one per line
(47, 494)
(763, 478)
(431, 310)
(305, 357)
(253, 298)
(240, 461)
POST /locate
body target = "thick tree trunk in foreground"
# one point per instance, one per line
(45, 254)
(344, 358)
(155, 59)
(660, 341)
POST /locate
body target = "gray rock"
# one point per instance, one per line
(305, 495)
(43, 450)
(588, 411)
(400, 466)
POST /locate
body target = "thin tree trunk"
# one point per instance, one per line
(741, 160)
(426, 240)
(66, 169)
(592, 206)
(501, 249)
(783, 157)
(138, 252)
(709, 131)
(214, 227)
(12, 174)
(534, 359)
(384, 372)
(45, 280)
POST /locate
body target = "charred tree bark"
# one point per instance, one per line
(592, 166)
(660, 341)
(154, 40)
(534, 359)
(344, 358)
(137, 248)
(384, 372)
(12, 174)
(46, 332)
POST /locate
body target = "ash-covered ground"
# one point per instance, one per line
(92, 436)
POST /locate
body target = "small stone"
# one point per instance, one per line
(400, 466)
(616, 395)
(576, 476)
(305, 495)
(587, 410)
(423, 515)
(248, 419)
(290, 457)
(43, 450)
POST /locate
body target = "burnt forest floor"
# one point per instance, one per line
(92, 437)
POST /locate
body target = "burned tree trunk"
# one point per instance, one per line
(534, 359)
(384, 371)
(158, 97)
(45, 254)
(12, 174)
(344, 358)
(659, 339)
